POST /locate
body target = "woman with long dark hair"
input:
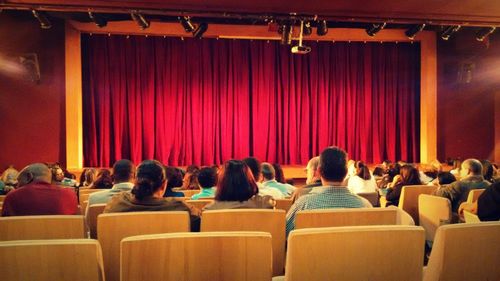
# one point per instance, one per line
(408, 175)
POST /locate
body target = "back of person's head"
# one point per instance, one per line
(488, 170)
(409, 175)
(174, 177)
(472, 167)
(149, 178)
(57, 172)
(236, 182)
(88, 176)
(207, 177)
(37, 172)
(333, 164)
(103, 179)
(311, 169)
(378, 171)
(123, 171)
(267, 171)
(254, 166)
(445, 178)
(278, 173)
(362, 170)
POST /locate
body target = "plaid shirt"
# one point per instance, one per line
(323, 197)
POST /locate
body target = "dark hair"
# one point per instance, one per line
(103, 180)
(149, 178)
(236, 182)
(378, 171)
(333, 164)
(409, 175)
(207, 177)
(362, 170)
(174, 177)
(254, 166)
(123, 170)
(445, 178)
(267, 171)
(278, 173)
(487, 170)
(87, 177)
(192, 169)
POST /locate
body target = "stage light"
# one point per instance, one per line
(42, 19)
(413, 30)
(307, 29)
(140, 20)
(447, 32)
(286, 36)
(301, 49)
(98, 20)
(484, 32)
(186, 24)
(322, 28)
(375, 28)
(200, 30)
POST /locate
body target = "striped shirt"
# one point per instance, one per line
(324, 197)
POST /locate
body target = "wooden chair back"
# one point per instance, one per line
(434, 211)
(408, 201)
(470, 217)
(41, 227)
(217, 256)
(474, 194)
(271, 221)
(372, 197)
(91, 216)
(113, 227)
(48, 260)
(283, 204)
(345, 217)
(200, 203)
(353, 253)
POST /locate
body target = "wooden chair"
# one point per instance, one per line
(470, 217)
(41, 227)
(372, 197)
(209, 256)
(272, 221)
(474, 194)
(91, 217)
(48, 260)
(84, 191)
(83, 206)
(353, 253)
(283, 204)
(200, 203)
(465, 252)
(409, 198)
(434, 211)
(190, 193)
(2, 198)
(113, 227)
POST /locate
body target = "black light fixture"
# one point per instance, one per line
(413, 30)
(322, 28)
(307, 29)
(448, 31)
(286, 35)
(98, 20)
(484, 32)
(374, 28)
(200, 30)
(186, 24)
(42, 19)
(140, 20)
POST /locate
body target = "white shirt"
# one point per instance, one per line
(271, 191)
(359, 185)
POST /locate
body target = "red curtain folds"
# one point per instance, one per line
(206, 101)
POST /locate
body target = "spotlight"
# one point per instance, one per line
(301, 49)
(42, 19)
(286, 36)
(140, 20)
(202, 28)
(447, 32)
(322, 28)
(307, 29)
(98, 20)
(484, 32)
(375, 28)
(186, 24)
(413, 30)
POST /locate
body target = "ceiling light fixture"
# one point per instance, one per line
(98, 20)
(322, 28)
(140, 20)
(484, 32)
(307, 29)
(286, 35)
(200, 30)
(186, 24)
(42, 19)
(413, 30)
(375, 28)
(301, 49)
(448, 31)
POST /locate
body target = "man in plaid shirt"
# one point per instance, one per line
(333, 193)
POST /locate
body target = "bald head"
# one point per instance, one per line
(34, 172)
(311, 170)
(472, 167)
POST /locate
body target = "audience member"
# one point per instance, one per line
(362, 181)
(457, 163)
(103, 180)
(487, 206)
(207, 178)
(190, 179)
(488, 170)
(269, 180)
(332, 193)
(445, 178)
(255, 168)
(408, 175)
(313, 179)
(9, 176)
(87, 177)
(237, 189)
(471, 174)
(174, 179)
(36, 195)
(58, 177)
(279, 175)
(147, 195)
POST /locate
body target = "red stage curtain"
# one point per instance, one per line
(206, 101)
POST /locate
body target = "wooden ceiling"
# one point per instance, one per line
(465, 12)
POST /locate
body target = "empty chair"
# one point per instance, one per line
(470, 217)
(271, 221)
(209, 256)
(91, 216)
(113, 227)
(283, 204)
(434, 211)
(41, 227)
(409, 198)
(200, 203)
(372, 197)
(48, 260)
(354, 253)
(466, 251)
(474, 194)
